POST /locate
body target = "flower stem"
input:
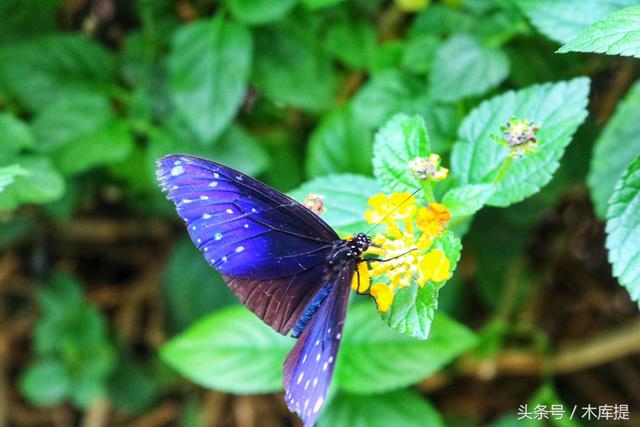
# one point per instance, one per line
(428, 191)
(503, 170)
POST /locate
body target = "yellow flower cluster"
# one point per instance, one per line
(405, 245)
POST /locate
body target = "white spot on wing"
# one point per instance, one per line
(306, 385)
(177, 170)
(318, 404)
(224, 259)
(239, 178)
(239, 249)
(317, 342)
(325, 366)
(300, 377)
(216, 175)
(204, 197)
(315, 381)
(229, 211)
(246, 226)
(217, 236)
(338, 336)
(330, 359)
(206, 216)
(318, 357)
(213, 184)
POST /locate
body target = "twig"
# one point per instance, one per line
(623, 77)
(164, 414)
(103, 230)
(97, 414)
(604, 348)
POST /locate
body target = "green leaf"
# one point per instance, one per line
(71, 119)
(340, 143)
(15, 136)
(374, 358)
(45, 382)
(623, 230)
(467, 200)
(414, 307)
(345, 199)
(351, 41)
(259, 11)
(132, 388)
(388, 57)
(209, 66)
(319, 4)
(391, 92)
(190, 293)
(8, 174)
(235, 148)
(397, 408)
(58, 67)
(557, 108)
(291, 67)
(41, 184)
(615, 34)
(230, 350)
(73, 331)
(464, 67)
(82, 133)
(617, 144)
(388, 93)
(419, 53)
(107, 145)
(402, 139)
(240, 150)
(441, 20)
(561, 20)
(24, 19)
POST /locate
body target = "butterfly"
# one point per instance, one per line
(281, 260)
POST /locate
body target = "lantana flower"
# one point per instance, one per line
(519, 137)
(428, 169)
(405, 246)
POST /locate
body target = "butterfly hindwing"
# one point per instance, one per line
(270, 249)
(309, 366)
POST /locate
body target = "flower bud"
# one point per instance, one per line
(315, 203)
(429, 168)
(519, 137)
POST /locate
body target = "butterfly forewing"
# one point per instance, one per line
(270, 249)
(309, 366)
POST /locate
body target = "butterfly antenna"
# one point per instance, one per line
(392, 212)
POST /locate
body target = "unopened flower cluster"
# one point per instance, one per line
(519, 137)
(406, 244)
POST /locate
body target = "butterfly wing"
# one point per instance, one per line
(270, 249)
(309, 365)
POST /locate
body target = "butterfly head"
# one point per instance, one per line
(360, 243)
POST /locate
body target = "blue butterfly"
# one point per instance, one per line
(280, 259)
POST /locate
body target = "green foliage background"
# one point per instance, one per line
(326, 96)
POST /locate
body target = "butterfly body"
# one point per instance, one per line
(281, 260)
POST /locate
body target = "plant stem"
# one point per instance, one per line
(503, 170)
(428, 192)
